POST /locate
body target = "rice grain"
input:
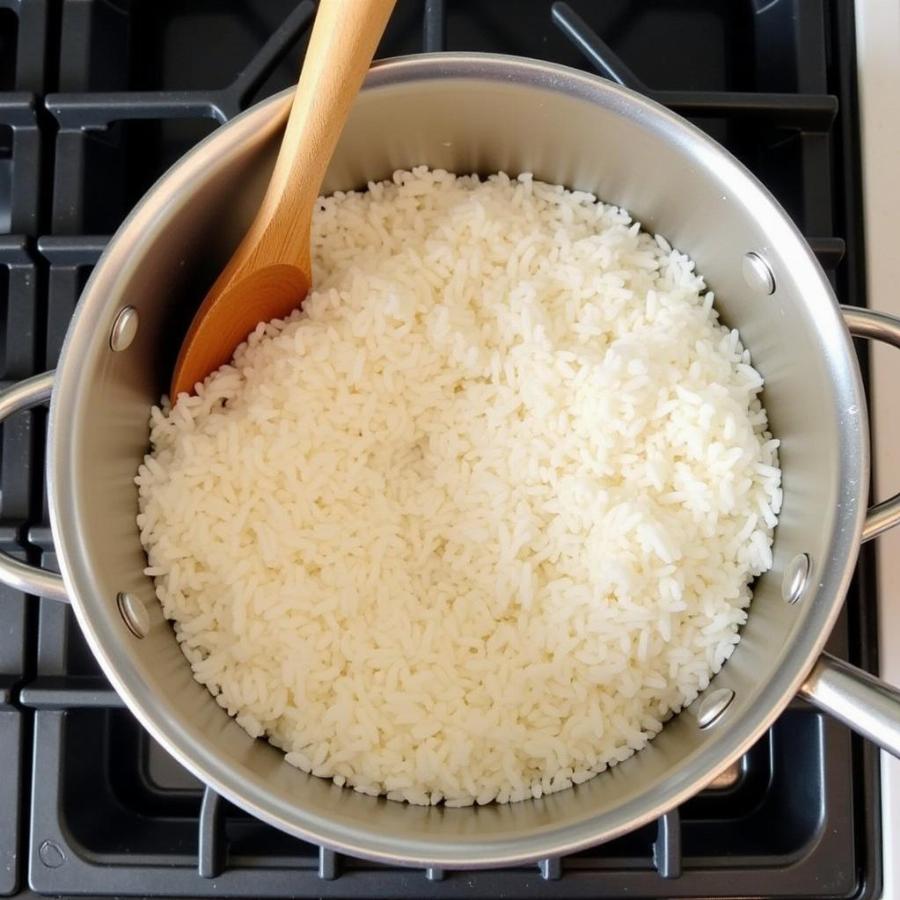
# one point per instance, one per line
(484, 514)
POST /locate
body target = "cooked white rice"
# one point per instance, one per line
(477, 520)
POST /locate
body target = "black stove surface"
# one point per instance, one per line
(97, 99)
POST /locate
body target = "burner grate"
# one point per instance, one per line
(812, 112)
(23, 45)
(18, 335)
(20, 159)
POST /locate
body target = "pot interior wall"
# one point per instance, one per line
(166, 255)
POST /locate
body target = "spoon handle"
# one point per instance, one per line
(344, 39)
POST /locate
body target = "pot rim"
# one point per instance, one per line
(691, 773)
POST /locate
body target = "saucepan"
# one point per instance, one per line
(472, 113)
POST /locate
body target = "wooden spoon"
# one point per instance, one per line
(270, 272)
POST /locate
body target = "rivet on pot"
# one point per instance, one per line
(124, 329)
(796, 577)
(713, 705)
(134, 614)
(758, 273)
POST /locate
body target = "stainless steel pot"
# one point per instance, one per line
(471, 112)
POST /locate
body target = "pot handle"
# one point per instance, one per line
(869, 706)
(16, 574)
(877, 326)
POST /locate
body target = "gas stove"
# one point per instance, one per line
(97, 99)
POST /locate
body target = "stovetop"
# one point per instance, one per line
(97, 99)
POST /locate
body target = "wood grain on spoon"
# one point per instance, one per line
(270, 272)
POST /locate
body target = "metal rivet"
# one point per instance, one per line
(713, 705)
(124, 329)
(758, 273)
(796, 577)
(134, 614)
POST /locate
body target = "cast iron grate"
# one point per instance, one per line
(18, 320)
(124, 89)
(22, 55)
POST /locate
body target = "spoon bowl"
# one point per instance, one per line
(270, 273)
